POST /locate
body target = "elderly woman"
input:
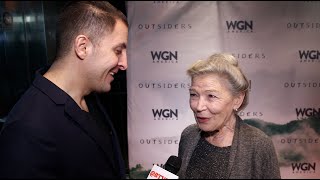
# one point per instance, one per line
(220, 145)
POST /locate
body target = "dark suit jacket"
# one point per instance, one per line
(47, 135)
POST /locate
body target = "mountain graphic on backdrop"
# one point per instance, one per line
(272, 129)
(295, 141)
(295, 133)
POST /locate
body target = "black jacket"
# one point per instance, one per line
(47, 135)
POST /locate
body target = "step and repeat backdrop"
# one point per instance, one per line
(277, 44)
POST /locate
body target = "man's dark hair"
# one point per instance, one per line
(91, 18)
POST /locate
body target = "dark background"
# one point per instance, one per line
(28, 43)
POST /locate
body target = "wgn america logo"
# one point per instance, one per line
(239, 26)
(309, 55)
(164, 56)
(165, 114)
(303, 113)
(303, 168)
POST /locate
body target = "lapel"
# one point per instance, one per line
(82, 119)
(115, 142)
(189, 147)
(193, 143)
(88, 126)
(235, 146)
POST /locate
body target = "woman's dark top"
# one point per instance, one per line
(208, 161)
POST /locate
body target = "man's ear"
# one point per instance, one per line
(81, 45)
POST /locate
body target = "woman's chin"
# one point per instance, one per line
(205, 128)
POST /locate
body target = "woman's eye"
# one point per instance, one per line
(118, 52)
(212, 96)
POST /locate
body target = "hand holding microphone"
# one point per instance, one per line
(170, 170)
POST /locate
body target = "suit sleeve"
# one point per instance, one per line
(25, 152)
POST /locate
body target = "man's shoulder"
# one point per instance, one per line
(31, 107)
(33, 98)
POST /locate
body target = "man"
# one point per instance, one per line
(59, 128)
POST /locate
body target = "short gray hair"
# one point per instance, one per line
(225, 65)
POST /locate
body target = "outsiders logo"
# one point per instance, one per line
(165, 114)
(163, 85)
(164, 26)
(239, 26)
(299, 140)
(303, 113)
(250, 56)
(309, 55)
(166, 2)
(164, 56)
(303, 25)
(250, 114)
(302, 84)
(303, 167)
(162, 141)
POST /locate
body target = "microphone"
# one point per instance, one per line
(172, 166)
